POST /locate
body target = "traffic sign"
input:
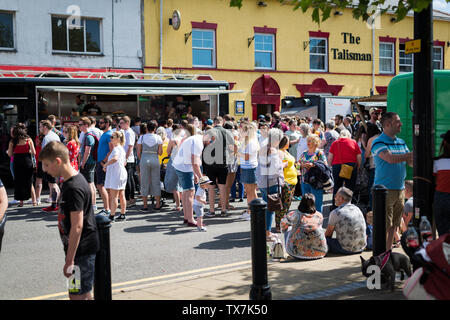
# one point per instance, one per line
(412, 46)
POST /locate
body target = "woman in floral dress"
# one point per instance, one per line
(304, 236)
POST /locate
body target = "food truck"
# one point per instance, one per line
(29, 99)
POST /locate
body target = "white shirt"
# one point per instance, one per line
(202, 194)
(150, 139)
(51, 136)
(302, 147)
(169, 133)
(96, 132)
(251, 149)
(191, 146)
(130, 139)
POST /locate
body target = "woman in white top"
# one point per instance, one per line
(248, 157)
(149, 148)
(171, 183)
(116, 176)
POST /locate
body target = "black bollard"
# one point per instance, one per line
(260, 289)
(379, 193)
(102, 281)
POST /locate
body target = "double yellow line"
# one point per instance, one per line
(130, 285)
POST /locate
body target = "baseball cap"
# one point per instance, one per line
(261, 116)
(209, 122)
(373, 110)
(446, 136)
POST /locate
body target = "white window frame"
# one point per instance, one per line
(400, 51)
(319, 54)
(13, 48)
(213, 49)
(441, 61)
(265, 51)
(392, 45)
(100, 26)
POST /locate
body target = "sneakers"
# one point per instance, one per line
(246, 216)
(103, 212)
(111, 218)
(298, 198)
(47, 200)
(210, 214)
(50, 209)
(225, 213)
(202, 229)
(131, 203)
(121, 218)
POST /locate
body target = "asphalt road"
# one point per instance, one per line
(145, 245)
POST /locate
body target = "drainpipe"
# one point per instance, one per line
(373, 58)
(112, 31)
(160, 35)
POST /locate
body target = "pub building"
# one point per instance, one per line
(270, 52)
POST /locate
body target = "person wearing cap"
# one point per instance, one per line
(92, 109)
(209, 122)
(348, 222)
(441, 171)
(200, 201)
(374, 114)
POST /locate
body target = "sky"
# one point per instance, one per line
(441, 5)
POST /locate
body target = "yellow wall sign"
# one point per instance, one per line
(412, 46)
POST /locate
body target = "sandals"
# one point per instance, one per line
(396, 245)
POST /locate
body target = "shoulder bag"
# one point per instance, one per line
(273, 200)
(346, 170)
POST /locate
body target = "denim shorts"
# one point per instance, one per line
(186, 180)
(248, 176)
(198, 210)
(86, 264)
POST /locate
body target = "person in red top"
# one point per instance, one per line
(441, 170)
(344, 150)
(73, 144)
(22, 148)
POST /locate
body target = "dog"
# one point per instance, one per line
(396, 262)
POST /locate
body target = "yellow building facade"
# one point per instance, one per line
(270, 52)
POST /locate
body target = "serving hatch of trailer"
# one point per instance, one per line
(32, 99)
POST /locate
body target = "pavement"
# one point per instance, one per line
(331, 278)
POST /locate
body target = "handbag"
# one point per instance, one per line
(346, 171)
(33, 158)
(273, 200)
(278, 250)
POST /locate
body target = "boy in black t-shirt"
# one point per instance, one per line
(76, 220)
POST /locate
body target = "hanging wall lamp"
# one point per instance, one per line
(186, 37)
(250, 40)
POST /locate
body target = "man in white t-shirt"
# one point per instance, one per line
(130, 139)
(187, 165)
(93, 129)
(45, 128)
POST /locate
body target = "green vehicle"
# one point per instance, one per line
(399, 99)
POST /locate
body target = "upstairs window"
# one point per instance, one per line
(203, 48)
(318, 54)
(264, 51)
(438, 62)
(387, 64)
(6, 30)
(406, 61)
(69, 37)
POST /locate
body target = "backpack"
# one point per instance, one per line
(94, 149)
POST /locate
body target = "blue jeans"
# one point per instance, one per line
(442, 212)
(240, 186)
(269, 214)
(318, 194)
(335, 247)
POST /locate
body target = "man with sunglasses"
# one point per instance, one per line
(104, 149)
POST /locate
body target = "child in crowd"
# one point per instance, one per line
(200, 202)
(408, 208)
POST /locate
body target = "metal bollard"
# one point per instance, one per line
(379, 193)
(102, 281)
(260, 289)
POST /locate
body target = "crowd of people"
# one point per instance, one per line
(223, 161)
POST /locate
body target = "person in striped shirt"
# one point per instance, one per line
(390, 155)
